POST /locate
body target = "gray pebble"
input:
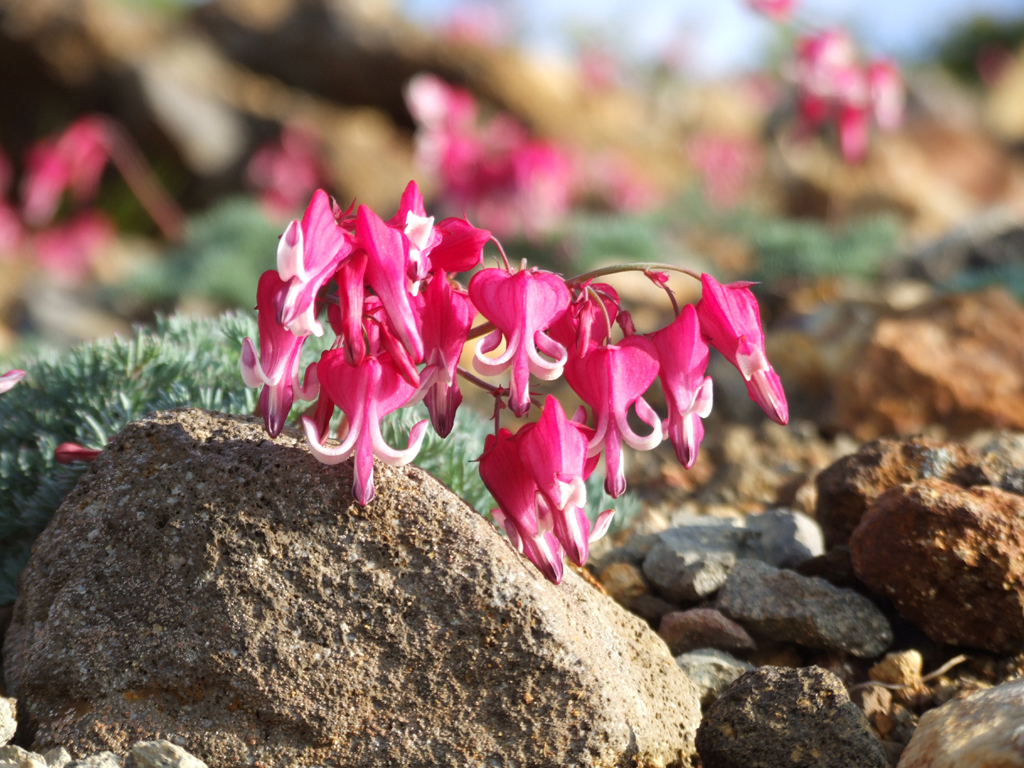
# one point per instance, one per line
(160, 754)
(712, 671)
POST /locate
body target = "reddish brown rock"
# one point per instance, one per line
(703, 628)
(958, 362)
(847, 488)
(951, 559)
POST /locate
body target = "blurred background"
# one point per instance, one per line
(862, 160)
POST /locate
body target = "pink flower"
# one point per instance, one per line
(584, 325)
(505, 476)
(365, 393)
(9, 379)
(285, 171)
(276, 367)
(12, 233)
(853, 133)
(887, 95)
(554, 453)
(387, 253)
(727, 167)
(731, 322)
(70, 453)
(777, 10)
(610, 379)
(68, 249)
(308, 255)
(521, 306)
(683, 358)
(73, 161)
(447, 317)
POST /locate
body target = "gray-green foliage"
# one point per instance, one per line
(88, 394)
(221, 259)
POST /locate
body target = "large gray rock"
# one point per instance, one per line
(787, 537)
(160, 754)
(782, 605)
(776, 717)
(206, 581)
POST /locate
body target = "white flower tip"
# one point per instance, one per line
(290, 253)
(601, 525)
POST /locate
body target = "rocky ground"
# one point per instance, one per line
(873, 619)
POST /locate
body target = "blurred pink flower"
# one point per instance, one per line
(727, 167)
(477, 23)
(286, 171)
(777, 10)
(67, 250)
(887, 94)
(12, 233)
(9, 379)
(74, 161)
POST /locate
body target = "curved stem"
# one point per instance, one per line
(480, 330)
(604, 311)
(615, 269)
(137, 173)
(489, 388)
(501, 250)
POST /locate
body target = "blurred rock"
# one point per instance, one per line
(799, 718)
(848, 488)
(58, 757)
(651, 608)
(623, 582)
(712, 671)
(958, 362)
(8, 719)
(1004, 104)
(16, 757)
(160, 754)
(834, 566)
(99, 760)
(985, 730)
(782, 605)
(899, 668)
(685, 631)
(950, 559)
(787, 538)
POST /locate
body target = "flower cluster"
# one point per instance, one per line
(401, 323)
(833, 84)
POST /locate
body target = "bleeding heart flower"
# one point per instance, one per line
(887, 94)
(584, 325)
(510, 484)
(365, 393)
(308, 255)
(9, 379)
(276, 367)
(610, 379)
(521, 306)
(731, 322)
(387, 253)
(554, 453)
(447, 317)
(683, 358)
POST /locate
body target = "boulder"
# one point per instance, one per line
(205, 581)
(849, 486)
(779, 605)
(798, 718)
(951, 559)
(985, 729)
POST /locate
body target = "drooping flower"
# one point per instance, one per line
(730, 321)
(683, 358)
(387, 253)
(70, 453)
(285, 171)
(9, 379)
(276, 366)
(887, 94)
(610, 379)
(75, 161)
(584, 325)
(365, 393)
(66, 250)
(554, 452)
(505, 476)
(521, 306)
(447, 317)
(308, 255)
(346, 317)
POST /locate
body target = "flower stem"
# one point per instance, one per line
(501, 250)
(615, 269)
(480, 330)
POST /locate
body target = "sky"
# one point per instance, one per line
(724, 36)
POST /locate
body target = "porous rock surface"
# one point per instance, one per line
(985, 729)
(207, 582)
(951, 560)
(799, 718)
(781, 605)
(848, 488)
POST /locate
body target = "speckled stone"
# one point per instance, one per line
(774, 717)
(206, 581)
